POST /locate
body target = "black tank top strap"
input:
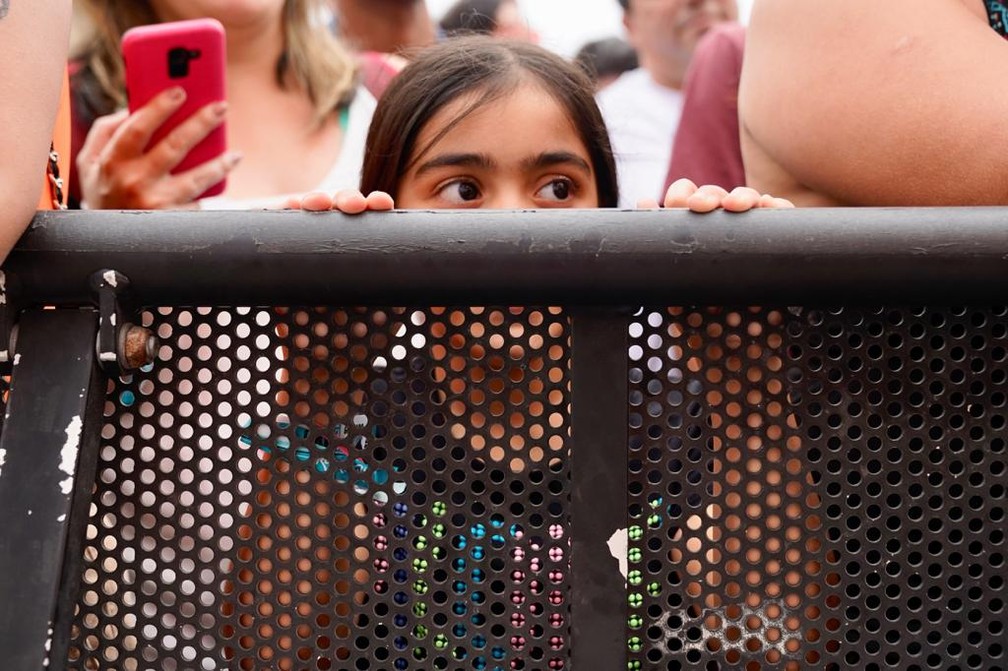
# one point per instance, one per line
(997, 14)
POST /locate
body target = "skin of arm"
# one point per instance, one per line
(863, 102)
(34, 37)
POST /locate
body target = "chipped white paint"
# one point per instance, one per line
(110, 278)
(107, 356)
(619, 545)
(61, 518)
(3, 460)
(4, 356)
(48, 645)
(68, 455)
(112, 319)
(17, 359)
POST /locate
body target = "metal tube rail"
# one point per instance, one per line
(587, 257)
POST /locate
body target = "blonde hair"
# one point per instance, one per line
(312, 58)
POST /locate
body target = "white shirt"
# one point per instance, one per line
(642, 117)
(346, 170)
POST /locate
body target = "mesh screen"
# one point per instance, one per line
(333, 489)
(817, 489)
(388, 489)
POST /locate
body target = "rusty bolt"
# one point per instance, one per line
(137, 346)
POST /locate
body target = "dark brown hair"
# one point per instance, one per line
(491, 68)
(468, 17)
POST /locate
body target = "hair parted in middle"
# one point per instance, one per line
(492, 69)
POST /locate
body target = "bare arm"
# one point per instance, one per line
(34, 36)
(864, 102)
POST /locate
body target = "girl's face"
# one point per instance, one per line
(519, 151)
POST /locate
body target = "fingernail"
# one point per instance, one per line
(232, 158)
(219, 108)
(177, 94)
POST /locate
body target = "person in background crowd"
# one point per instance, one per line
(498, 18)
(34, 36)
(642, 107)
(893, 103)
(384, 26)
(294, 111)
(383, 33)
(706, 147)
(605, 60)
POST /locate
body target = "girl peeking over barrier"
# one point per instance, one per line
(482, 123)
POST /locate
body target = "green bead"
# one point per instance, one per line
(654, 588)
(440, 641)
(420, 631)
(634, 577)
(635, 644)
(635, 621)
(439, 508)
(635, 555)
(419, 609)
(635, 533)
(438, 530)
(420, 587)
(635, 600)
(420, 542)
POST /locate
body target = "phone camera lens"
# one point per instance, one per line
(178, 61)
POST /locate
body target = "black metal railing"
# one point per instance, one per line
(815, 483)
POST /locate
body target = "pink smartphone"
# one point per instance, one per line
(190, 54)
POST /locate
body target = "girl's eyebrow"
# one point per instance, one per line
(457, 160)
(483, 161)
(549, 158)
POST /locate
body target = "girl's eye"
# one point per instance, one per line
(459, 192)
(559, 189)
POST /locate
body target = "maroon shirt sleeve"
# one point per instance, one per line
(706, 147)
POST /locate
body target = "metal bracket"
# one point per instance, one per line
(122, 346)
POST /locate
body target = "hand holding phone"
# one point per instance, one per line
(168, 149)
(185, 54)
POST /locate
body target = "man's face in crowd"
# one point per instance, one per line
(673, 27)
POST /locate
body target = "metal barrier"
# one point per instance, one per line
(595, 485)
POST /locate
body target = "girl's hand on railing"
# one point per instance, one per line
(707, 198)
(347, 201)
(117, 173)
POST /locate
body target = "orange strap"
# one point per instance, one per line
(56, 184)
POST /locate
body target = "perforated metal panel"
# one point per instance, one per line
(388, 489)
(817, 489)
(334, 489)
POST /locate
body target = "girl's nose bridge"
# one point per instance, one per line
(510, 195)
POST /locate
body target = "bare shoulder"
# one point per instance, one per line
(883, 89)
